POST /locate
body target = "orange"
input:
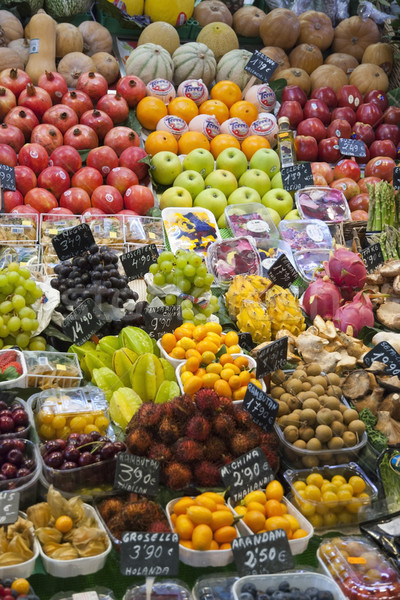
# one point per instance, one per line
(244, 377)
(214, 545)
(213, 327)
(168, 342)
(255, 496)
(293, 522)
(183, 504)
(214, 368)
(274, 490)
(203, 500)
(201, 372)
(218, 498)
(193, 385)
(64, 524)
(184, 108)
(235, 349)
(226, 373)
(191, 140)
(186, 343)
(214, 338)
(254, 519)
(199, 514)
(149, 111)
(202, 537)
(226, 91)
(225, 358)
(273, 508)
(159, 141)
(253, 143)
(21, 586)
(210, 379)
(207, 357)
(222, 388)
(225, 546)
(244, 110)
(216, 108)
(277, 523)
(241, 362)
(222, 142)
(192, 364)
(186, 376)
(177, 353)
(207, 346)
(241, 510)
(184, 527)
(231, 338)
(182, 331)
(254, 505)
(225, 534)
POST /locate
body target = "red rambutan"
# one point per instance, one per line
(198, 429)
(226, 405)
(228, 458)
(149, 414)
(224, 425)
(241, 443)
(187, 451)
(182, 409)
(159, 527)
(168, 431)
(138, 441)
(160, 452)
(270, 440)
(177, 475)
(214, 449)
(207, 401)
(242, 418)
(272, 458)
(207, 474)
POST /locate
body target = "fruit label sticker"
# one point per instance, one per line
(372, 257)
(34, 46)
(384, 353)
(249, 472)
(315, 233)
(73, 241)
(162, 319)
(261, 407)
(137, 474)
(282, 272)
(263, 553)
(137, 262)
(272, 357)
(296, 177)
(349, 147)
(396, 178)
(9, 507)
(7, 178)
(246, 341)
(83, 322)
(258, 226)
(149, 554)
(261, 66)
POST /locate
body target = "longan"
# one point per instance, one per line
(313, 369)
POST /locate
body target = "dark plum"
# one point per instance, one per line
(66, 466)
(71, 454)
(9, 470)
(22, 472)
(15, 457)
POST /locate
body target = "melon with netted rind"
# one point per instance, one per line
(149, 62)
(194, 61)
(231, 67)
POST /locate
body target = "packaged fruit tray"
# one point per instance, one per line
(17, 357)
(25, 484)
(48, 370)
(172, 589)
(52, 225)
(21, 230)
(23, 569)
(18, 422)
(214, 587)
(301, 580)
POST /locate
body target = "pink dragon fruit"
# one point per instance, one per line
(358, 313)
(322, 297)
(346, 269)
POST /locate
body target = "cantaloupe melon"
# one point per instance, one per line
(174, 12)
(194, 61)
(219, 37)
(161, 33)
(150, 61)
(231, 66)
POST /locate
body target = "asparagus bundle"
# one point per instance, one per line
(384, 206)
(389, 240)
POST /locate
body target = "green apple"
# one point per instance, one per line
(244, 195)
(199, 160)
(233, 160)
(192, 181)
(175, 196)
(292, 215)
(167, 167)
(276, 182)
(222, 180)
(212, 199)
(222, 221)
(279, 200)
(256, 179)
(274, 215)
(266, 160)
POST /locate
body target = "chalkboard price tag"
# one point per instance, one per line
(282, 272)
(162, 319)
(261, 66)
(137, 262)
(272, 357)
(396, 178)
(83, 322)
(263, 553)
(261, 407)
(246, 473)
(297, 176)
(384, 353)
(246, 341)
(9, 507)
(137, 474)
(350, 147)
(372, 257)
(7, 178)
(149, 554)
(73, 241)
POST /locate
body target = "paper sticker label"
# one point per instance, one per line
(257, 226)
(61, 367)
(34, 46)
(356, 560)
(315, 233)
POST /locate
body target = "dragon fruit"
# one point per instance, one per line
(322, 297)
(346, 269)
(358, 314)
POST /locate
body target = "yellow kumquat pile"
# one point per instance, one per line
(201, 341)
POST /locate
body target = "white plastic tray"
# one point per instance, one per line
(300, 579)
(26, 568)
(20, 381)
(175, 362)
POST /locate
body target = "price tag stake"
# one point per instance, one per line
(372, 257)
(272, 357)
(9, 507)
(261, 66)
(73, 241)
(261, 407)
(83, 322)
(137, 262)
(149, 554)
(350, 147)
(162, 319)
(7, 178)
(386, 354)
(246, 473)
(282, 272)
(396, 178)
(137, 474)
(263, 553)
(297, 176)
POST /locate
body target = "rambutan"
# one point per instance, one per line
(226, 405)
(242, 418)
(182, 409)
(160, 452)
(149, 414)
(117, 526)
(207, 401)
(198, 429)
(138, 441)
(270, 440)
(168, 431)
(207, 474)
(272, 458)
(241, 443)
(177, 475)
(214, 449)
(110, 507)
(139, 516)
(227, 458)
(224, 426)
(159, 527)
(187, 451)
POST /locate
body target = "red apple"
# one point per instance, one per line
(107, 198)
(380, 166)
(319, 180)
(349, 95)
(313, 127)
(324, 169)
(359, 215)
(367, 180)
(317, 109)
(293, 111)
(131, 157)
(294, 92)
(25, 179)
(346, 185)
(12, 199)
(388, 131)
(327, 95)
(339, 128)
(359, 202)
(392, 115)
(93, 212)
(121, 178)
(328, 150)
(383, 148)
(377, 97)
(139, 199)
(306, 148)
(369, 113)
(76, 200)
(364, 132)
(41, 199)
(88, 179)
(54, 179)
(58, 210)
(24, 210)
(347, 168)
(362, 160)
(345, 113)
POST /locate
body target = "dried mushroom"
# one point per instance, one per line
(389, 314)
(390, 269)
(358, 384)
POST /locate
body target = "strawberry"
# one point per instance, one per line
(6, 357)
(17, 366)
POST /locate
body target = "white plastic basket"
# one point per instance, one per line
(26, 568)
(21, 381)
(175, 362)
(299, 579)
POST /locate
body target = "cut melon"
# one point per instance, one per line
(194, 61)
(219, 37)
(231, 66)
(149, 62)
(161, 33)
(174, 12)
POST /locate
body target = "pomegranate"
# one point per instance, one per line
(78, 101)
(81, 137)
(97, 120)
(23, 118)
(54, 84)
(93, 212)
(322, 297)
(41, 199)
(103, 159)
(132, 89)
(120, 138)
(131, 158)
(58, 210)
(93, 84)
(12, 136)
(24, 210)
(15, 80)
(47, 136)
(107, 198)
(88, 179)
(8, 156)
(61, 116)
(7, 101)
(54, 179)
(121, 178)
(36, 99)
(12, 199)
(25, 179)
(33, 156)
(66, 157)
(115, 106)
(76, 200)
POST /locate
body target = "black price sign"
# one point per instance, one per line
(396, 178)
(83, 322)
(261, 66)
(372, 257)
(137, 262)
(296, 177)
(149, 554)
(272, 357)
(349, 147)
(73, 241)
(263, 553)
(247, 473)
(137, 474)
(7, 178)
(261, 407)
(384, 353)
(282, 272)
(246, 341)
(162, 319)
(9, 507)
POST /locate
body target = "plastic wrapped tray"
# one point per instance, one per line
(307, 261)
(9, 398)
(214, 587)
(230, 257)
(49, 370)
(26, 568)
(19, 229)
(26, 486)
(323, 203)
(190, 228)
(253, 220)
(18, 382)
(171, 589)
(300, 579)
(310, 233)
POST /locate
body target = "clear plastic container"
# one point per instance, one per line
(190, 228)
(271, 252)
(18, 382)
(26, 486)
(214, 587)
(19, 229)
(348, 512)
(25, 256)
(26, 568)
(52, 225)
(359, 568)
(171, 589)
(323, 203)
(144, 230)
(48, 370)
(231, 257)
(93, 593)
(254, 220)
(299, 579)
(305, 234)
(9, 397)
(307, 261)
(106, 229)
